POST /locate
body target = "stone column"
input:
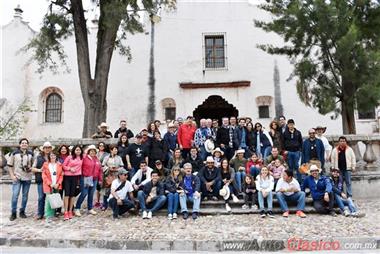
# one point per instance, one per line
(369, 156)
(359, 159)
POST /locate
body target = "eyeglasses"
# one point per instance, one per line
(311, 133)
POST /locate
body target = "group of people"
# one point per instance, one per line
(185, 164)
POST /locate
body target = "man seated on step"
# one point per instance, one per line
(321, 191)
(211, 180)
(121, 197)
(190, 191)
(341, 198)
(288, 189)
(152, 195)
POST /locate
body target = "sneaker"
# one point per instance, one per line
(286, 214)
(194, 215)
(357, 214)
(215, 198)
(170, 216)
(77, 213)
(103, 208)
(185, 215)
(145, 215)
(205, 198)
(262, 214)
(235, 199)
(175, 216)
(71, 215)
(92, 212)
(333, 214)
(270, 214)
(39, 217)
(228, 208)
(301, 214)
(23, 215)
(346, 213)
(254, 207)
(245, 207)
(149, 215)
(115, 217)
(66, 216)
(49, 220)
(13, 217)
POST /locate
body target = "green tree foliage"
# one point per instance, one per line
(335, 48)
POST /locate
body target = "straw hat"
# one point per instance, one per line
(209, 145)
(225, 192)
(218, 150)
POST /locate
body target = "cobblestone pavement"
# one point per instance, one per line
(223, 227)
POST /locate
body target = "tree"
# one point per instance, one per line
(117, 19)
(335, 48)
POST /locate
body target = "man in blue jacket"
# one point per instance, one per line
(321, 191)
(313, 149)
(190, 191)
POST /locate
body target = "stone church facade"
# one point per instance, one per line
(206, 64)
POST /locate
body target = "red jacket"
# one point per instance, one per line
(92, 167)
(185, 135)
(258, 164)
(46, 177)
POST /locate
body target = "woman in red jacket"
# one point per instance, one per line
(91, 175)
(52, 177)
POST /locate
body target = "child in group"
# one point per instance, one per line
(172, 189)
(52, 176)
(254, 166)
(250, 194)
(264, 186)
(276, 170)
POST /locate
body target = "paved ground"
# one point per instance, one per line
(206, 228)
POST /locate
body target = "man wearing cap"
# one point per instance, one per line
(19, 166)
(313, 150)
(135, 154)
(185, 137)
(103, 131)
(343, 157)
(121, 197)
(292, 141)
(162, 171)
(152, 194)
(211, 180)
(170, 139)
(123, 129)
(319, 134)
(190, 186)
(321, 191)
(37, 170)
(341, 198)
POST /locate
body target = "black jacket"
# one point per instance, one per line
(128, 131)
(223, 136)
(206, 176)
(149, 185)
(172, 185)
(238, 135)
(197, 164)
(157, 150)
(292, 143)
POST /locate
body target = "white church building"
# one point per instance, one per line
(207, 64)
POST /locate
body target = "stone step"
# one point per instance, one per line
(221, 203)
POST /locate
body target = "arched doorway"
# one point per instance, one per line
(215, 107)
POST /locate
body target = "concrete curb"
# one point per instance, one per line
(348, 243)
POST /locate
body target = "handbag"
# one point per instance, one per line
(55, 200)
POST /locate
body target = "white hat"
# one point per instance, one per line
(225, 192)
(171, 125)
(91, 147)
(217, 150)
(314, 167)
(240, 151)
(45, 145)
(209, 159)
(209, 145)
(103, 124)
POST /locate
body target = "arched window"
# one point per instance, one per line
(53, 110)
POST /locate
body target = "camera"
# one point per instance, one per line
(26, 168)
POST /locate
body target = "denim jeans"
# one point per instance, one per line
(202, 152)
(215, 189)
(173, 199)
(269, 200)
(86, 191)
(345, 202)
(239, 177)
(346, 174)
(293, 163)
(41, 200)
(156, 203)
(254, 171)
(266, 152)
(120, 209)
(131, 173)
(16, 188)
(298, 197)
(183, 202)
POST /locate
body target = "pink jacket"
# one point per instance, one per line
(92, 167)
(72, 163)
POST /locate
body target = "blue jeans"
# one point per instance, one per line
(120, 209)
(203, 153)
(269, 200)
(266, 152)
(298, 197)
(293, 163)
(254, 171)
(157, 202)
(239, 177)
(173, 202)
(183, 202)
(41, 200)
(345, 202)
(84, 191)
(16, 187)
(131, 173)
(346, 174)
